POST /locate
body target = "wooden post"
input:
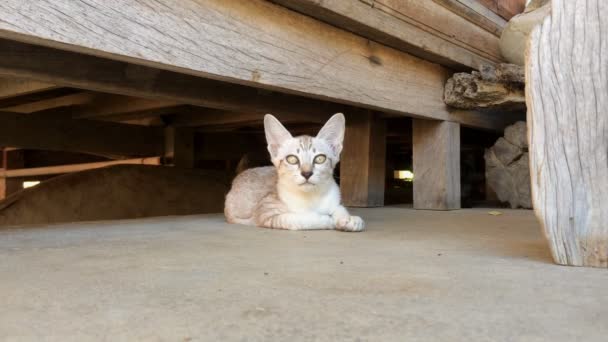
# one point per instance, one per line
(179, 146)
(362, 166)
(436, 151)
(568, 130)
(13, 159)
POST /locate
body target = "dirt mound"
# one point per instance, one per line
(117, 192)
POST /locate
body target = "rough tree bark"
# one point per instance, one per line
(567, 97)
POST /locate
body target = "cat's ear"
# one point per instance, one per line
(276, 134)
(333, 132)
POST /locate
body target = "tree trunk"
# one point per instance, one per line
(567, 95)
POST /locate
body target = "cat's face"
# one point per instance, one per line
(305, 162)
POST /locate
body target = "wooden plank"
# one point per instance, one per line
(96, 137)
(362, 165)
(422, 28)
(251, 42)
(436, 159)
(75, 99)
(62, 169)
(108, 106)
(98, 74)
(199, 117)
(11, 87)
(567, 74)
(477, 13)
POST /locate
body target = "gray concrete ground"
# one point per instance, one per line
(412, 276)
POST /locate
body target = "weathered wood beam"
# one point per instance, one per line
(98, 74)
(62, 169)
(117, 106)
(11, 87)
(78, 98)
(104, 75)
(568, 130)
(362, 165)
(475, 12)
(422, 28)
(198, 117)
(97, 137)
(436, 159)
(262, 45)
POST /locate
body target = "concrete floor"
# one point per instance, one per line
(414, 275)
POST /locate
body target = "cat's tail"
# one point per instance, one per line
(244, 164)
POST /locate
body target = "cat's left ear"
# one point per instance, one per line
(333, 132)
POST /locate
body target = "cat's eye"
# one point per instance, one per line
(291, 159)
(320, 159)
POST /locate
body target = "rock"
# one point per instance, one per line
(515, 35)
(117, 192)
(507, 167)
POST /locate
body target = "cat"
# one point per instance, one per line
(299, 191)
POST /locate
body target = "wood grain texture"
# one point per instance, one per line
(93, 73)
(567, 97)
(477, 13)
(250, 42)
(10, 87)
(88, 136)
(108, 76)
(436, 159)
(422, 28)
(362, 166)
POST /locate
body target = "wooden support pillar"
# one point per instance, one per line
(179, 146)
(362, 166)
(568, 130)
(436, 154)
(13, 159)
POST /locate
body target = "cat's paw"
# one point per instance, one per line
(350, 224)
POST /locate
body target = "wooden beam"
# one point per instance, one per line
(98, 74)
(10, 160)
(262, 45)
(423, 28)
(11, 87)
(199, 117)
(436, 157)
(75, 99)
(117, 106)
(362, 165)
(62, 169)
(568, 130)
(20, 130)
(477, 13)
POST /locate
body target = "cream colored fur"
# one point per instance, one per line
(281, 196)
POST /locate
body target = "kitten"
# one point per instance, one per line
(299, 191)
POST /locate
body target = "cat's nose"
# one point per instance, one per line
(306, 174)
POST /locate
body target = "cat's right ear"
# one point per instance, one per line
(276, 134)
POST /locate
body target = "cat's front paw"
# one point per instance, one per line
(350, 224)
